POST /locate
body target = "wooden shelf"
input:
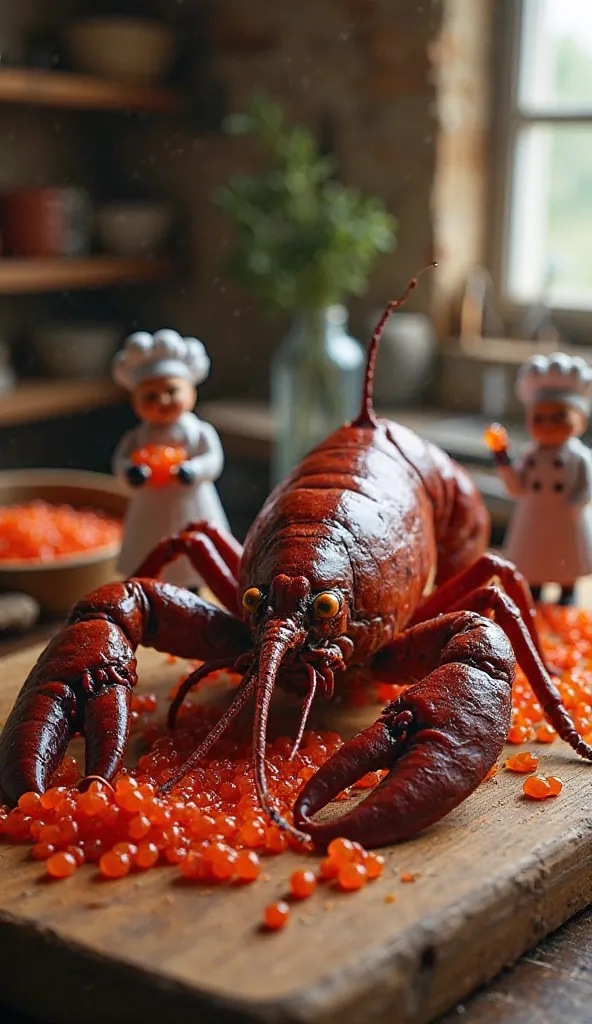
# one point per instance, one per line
(247, 427)
(29, 276)
(82, 92)
(246, 431)
(33, 401)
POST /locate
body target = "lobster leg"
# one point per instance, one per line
(84, 679)
(452, 594)
(214, 553)
(438, 739)
(507, 615)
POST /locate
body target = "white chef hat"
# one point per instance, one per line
(163, 354)
(556, 378)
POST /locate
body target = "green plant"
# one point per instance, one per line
(303, 239)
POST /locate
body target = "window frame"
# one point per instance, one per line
(507, 121)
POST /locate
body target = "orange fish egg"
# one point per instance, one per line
(160, 460)
(277, 915)
(537, 788)
(523, 762)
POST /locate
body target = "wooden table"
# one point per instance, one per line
(549, 984)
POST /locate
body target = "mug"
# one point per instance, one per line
(46, 222)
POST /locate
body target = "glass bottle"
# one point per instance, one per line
(316, 384)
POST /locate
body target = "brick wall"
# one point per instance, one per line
(403, 84)
(365, 64)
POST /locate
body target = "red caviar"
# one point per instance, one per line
(160, 460)
(277, 915)
(211, 827)
(555, 785)
(352, 876)
(374, 864)
(114, 865)
(61, 865)
(523, 762)
(302, 884)
(39, 531)
(496, 438)
(545, 733)
(247, 866)
(536, 787)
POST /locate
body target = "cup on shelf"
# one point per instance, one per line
(74, 350)
(138, 51)
(46, 221)
(133, 228)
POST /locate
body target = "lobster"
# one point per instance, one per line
(371, 555)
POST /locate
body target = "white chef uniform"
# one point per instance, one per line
(157, 512)
(550, 535)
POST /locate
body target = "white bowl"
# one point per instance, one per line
(133, 50)
(133, 229)
(75, 349)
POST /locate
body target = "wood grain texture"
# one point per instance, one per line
(36, 400)
(35, 87)
(552, 984)
(250, 424)
(28, 276)
(492, 879)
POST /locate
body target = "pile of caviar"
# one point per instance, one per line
(211, 827)
(160, 460)
(42, 532)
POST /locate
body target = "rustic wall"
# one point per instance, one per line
(462, 59)
(402, 84)
(364, 63)
(30, 153)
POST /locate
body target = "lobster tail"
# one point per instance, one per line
(366, 416)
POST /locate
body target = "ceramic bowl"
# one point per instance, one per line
(80, 350)
(58, 585)
(137, 51)
(133, 228)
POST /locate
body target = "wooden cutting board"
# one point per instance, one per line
(491, 879)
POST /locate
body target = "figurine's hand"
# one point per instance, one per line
(502, 458)
(138, 475)
(185, 473)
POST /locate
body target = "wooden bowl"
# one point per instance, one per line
(133, 228)
(58, 585)
(138, 51)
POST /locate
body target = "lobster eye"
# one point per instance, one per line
(325, 606)
(252, 599)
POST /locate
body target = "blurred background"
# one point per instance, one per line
(470, 123)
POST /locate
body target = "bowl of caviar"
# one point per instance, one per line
(60, 534)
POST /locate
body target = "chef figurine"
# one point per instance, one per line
(550, 535)
(171, 458)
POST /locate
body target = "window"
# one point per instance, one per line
(548, 239)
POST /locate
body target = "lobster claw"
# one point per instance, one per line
(56, 703)
(438, 740)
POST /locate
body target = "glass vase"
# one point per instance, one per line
(316, 384)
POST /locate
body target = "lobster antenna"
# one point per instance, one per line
(244, 691)
(262, 702)
(192, 680)
(366, 416)
(305, 711)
